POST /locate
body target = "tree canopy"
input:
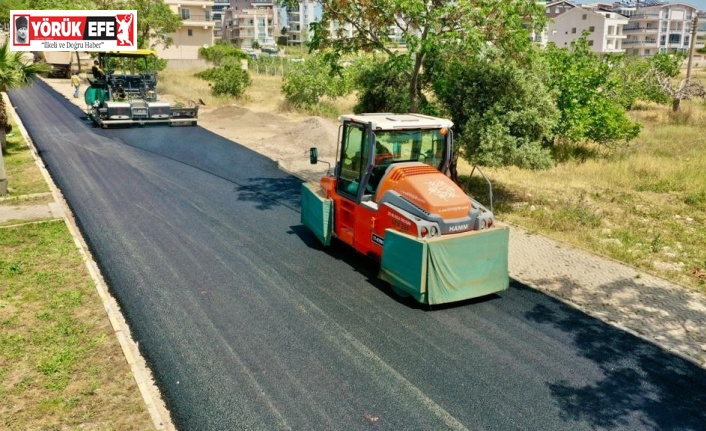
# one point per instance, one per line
(14, 73)
(423, 26)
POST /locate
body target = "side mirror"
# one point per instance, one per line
(313, 155)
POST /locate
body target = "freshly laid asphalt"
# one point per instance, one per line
(247, 323)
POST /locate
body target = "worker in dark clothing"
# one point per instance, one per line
(98, 73)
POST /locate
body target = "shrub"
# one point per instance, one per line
(306, 82)
(222, 53)
(229, 79)
(503, 113)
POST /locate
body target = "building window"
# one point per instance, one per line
(592, 29)
(185, 13)
(573, 30)
(190, 32)
(584, 17)
(590, 43)
(674, 38)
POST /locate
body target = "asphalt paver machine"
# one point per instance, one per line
(127, 94)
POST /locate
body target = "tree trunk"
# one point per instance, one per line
(3, 174)
(675, 104)
(4, 126)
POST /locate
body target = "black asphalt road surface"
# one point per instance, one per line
(248, 324)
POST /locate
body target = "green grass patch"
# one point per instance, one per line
(23, 175)
(60, 366)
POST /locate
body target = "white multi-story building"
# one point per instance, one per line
(299, 18)
(551, 10)
(245, 22)
(196, 30)
(661, 28)
(217, 16)
(605, 29)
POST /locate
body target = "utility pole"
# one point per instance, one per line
(683, 92)
(694, 24)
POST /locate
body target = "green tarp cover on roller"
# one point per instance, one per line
(404, 264)
(447, 269)
(317, 212)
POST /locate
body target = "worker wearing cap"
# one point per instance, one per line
(21, 30)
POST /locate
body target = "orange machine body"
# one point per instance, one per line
(363, 225)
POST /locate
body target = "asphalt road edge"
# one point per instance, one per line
(151, 395)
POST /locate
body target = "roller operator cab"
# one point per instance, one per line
(127, 94)
(389, 199)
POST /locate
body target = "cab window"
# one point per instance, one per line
(353, 158)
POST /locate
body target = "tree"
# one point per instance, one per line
(379, 81)
(423, 26)
(155, 21)
(228, 79)
(14, 73)
(504, 114)
(664, 69)
(306, 82)
(634, 78)
(585, 97)
(223, 52)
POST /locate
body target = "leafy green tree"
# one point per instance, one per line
(155, 22)
(585, 97)
(229, 79)
(423, 26)
(379, 82)
(223, 52)
(306, 82)
(504, 113)
(14, 73)
(634, 80)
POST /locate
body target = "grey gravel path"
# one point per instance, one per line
(668, 314)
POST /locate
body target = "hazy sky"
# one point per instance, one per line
(701, 4)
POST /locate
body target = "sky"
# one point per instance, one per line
(699, 4)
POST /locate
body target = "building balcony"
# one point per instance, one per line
(645, 16)
(198, 20)
(191, 3)
(633, 30)
(642, 43)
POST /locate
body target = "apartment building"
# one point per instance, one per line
(298, 19)
(551, 11)
(605, 29)
(217, 17)
(245, 22)
(662, 28)
(196, 30)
